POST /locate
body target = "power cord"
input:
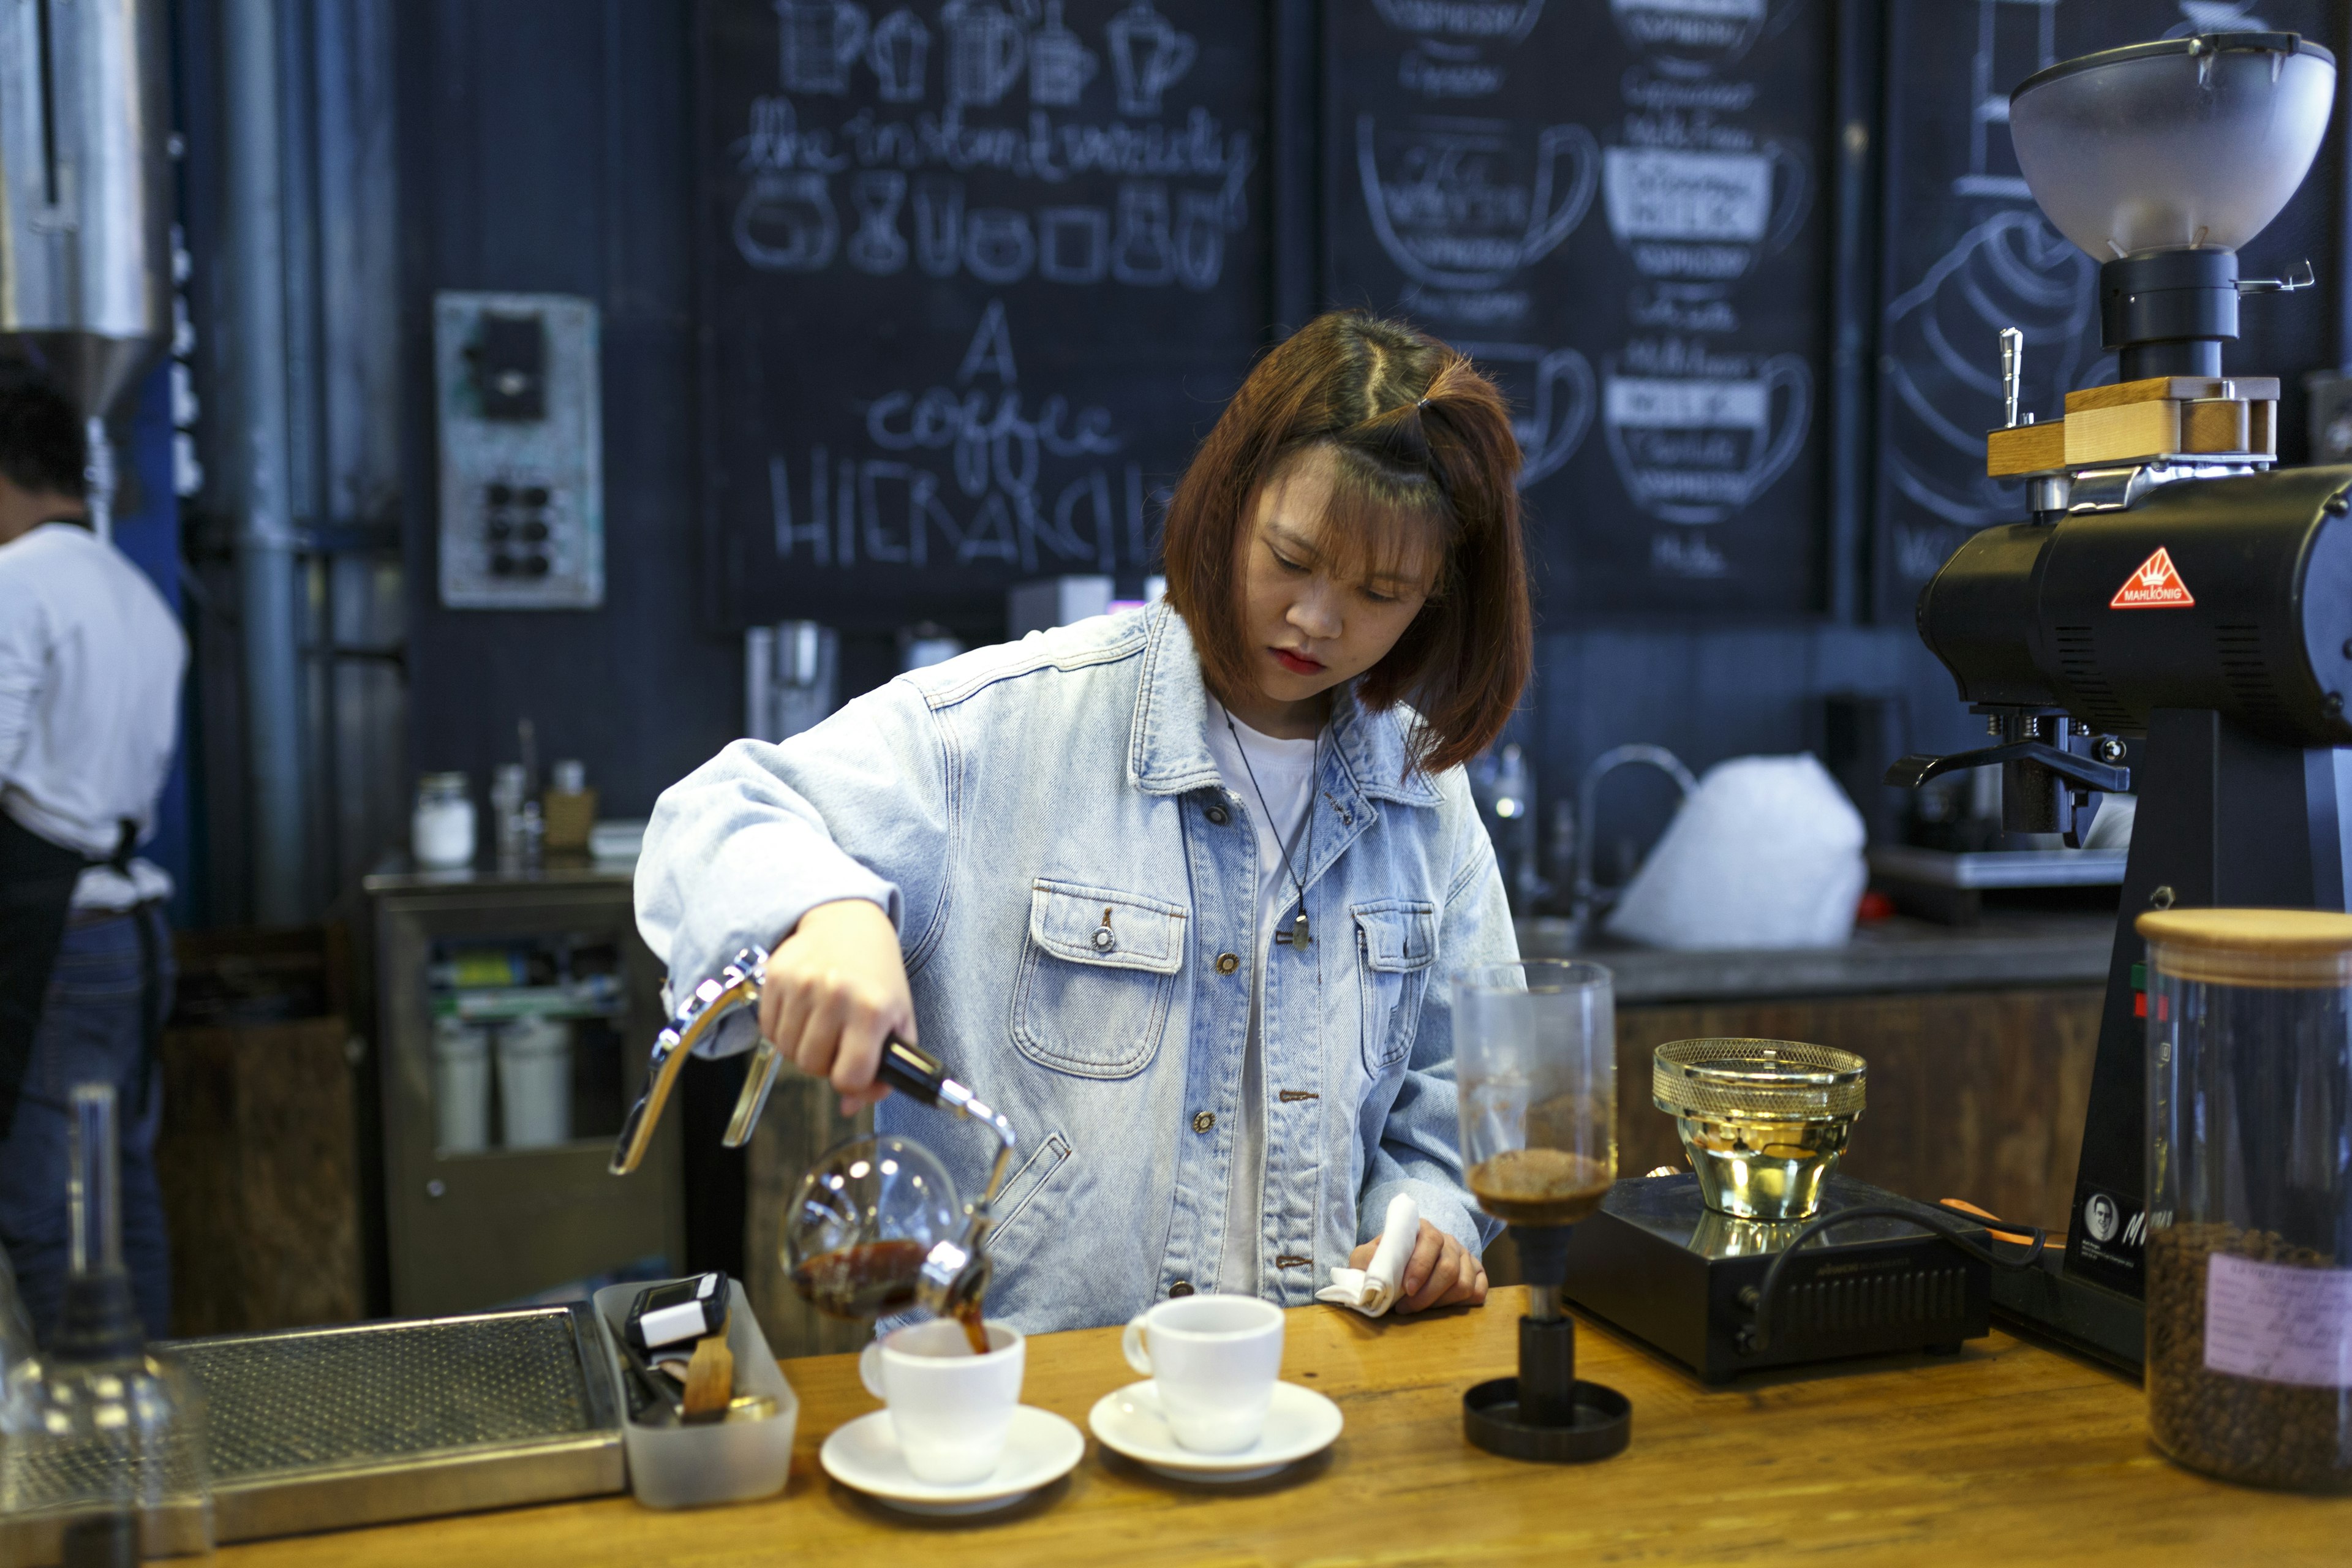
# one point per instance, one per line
(1932, 1220)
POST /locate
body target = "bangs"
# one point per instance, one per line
(1382, 524)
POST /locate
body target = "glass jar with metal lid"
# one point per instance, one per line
(2250, 1194)
(1763, 1121)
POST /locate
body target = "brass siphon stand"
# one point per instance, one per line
(1545, 1413)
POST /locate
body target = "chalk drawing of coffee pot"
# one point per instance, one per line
(1059, 65)
(1551, 398)
(1148, 57)
(1464, 205)
(1691, 38)
(986, 49)
(819, 39)
(1696, 443)
(786, 223)
(1703, 215)
(899, 51)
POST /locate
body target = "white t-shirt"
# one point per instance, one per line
(1285, 775)
(90, 661)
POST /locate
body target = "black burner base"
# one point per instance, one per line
(1602, 1423)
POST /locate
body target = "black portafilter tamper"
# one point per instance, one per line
(1535, 1055)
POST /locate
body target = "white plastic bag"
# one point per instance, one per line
(1766, 853)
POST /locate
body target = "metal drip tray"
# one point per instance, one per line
(327, 1429)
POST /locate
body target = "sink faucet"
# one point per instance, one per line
(1589, 895)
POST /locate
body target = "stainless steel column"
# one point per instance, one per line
(256, 350)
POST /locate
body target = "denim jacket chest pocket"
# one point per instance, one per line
(1097, 978)
(1396, 943)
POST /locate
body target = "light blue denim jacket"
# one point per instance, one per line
(1010, 808)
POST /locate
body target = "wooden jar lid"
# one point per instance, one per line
(2250, 947)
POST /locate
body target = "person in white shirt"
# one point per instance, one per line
(90, 663)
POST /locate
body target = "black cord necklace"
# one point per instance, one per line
(1297, 934)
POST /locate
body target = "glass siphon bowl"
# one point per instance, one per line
(1763, 1121)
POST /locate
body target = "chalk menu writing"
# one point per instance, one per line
(1613, 209)
(977, 277)
(1967, 252)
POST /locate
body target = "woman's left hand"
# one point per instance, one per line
(1442, 1272)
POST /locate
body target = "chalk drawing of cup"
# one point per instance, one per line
(1143, 253)
(786, 223)
(819, 39)
(1200, 239)
(898, 52)
(1552, 398)
(939, 224)
(1706, 216)
(1073, 244)
(1486, 22)
(1691, 37)
(1696, 442)
(878, 246)
(1464, 205)
(997, 245)
(1059, 65)
(986, 49)
(1148, 57)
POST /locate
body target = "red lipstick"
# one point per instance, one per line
(1297, 664)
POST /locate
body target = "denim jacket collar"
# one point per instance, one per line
(1168, 750)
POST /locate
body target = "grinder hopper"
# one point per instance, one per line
(2160, 159)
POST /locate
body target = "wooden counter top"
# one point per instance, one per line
(2004, 1452)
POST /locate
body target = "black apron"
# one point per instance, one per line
(36, 884)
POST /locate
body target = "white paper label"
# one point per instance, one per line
(2278, 1324)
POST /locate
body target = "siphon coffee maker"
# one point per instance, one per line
(1535, 1052)
(875, 1225)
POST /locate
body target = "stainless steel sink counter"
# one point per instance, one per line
(1897, 954)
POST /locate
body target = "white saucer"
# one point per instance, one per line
(1040, 1448)
(1299, 1422)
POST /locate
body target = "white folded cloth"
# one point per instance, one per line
(1375, 1289)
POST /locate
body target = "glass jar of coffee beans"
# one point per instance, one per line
(2249, 1208)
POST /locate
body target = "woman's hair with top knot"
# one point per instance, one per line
(1423, 458)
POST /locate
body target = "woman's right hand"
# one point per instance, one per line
(834, 989)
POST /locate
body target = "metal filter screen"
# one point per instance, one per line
(378, 1392)
(1757, 1080)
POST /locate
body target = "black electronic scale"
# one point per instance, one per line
(1656, 1263)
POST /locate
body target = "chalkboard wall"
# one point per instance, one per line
(976, 279)
(604, 170)
(1617, 212)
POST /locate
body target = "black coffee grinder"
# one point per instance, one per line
(2172, 583)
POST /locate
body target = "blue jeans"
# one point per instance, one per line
(90, 1033)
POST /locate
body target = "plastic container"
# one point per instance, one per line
(461, 1086)
(534, 1083)
(2249, 1212)
(441, 833)
(724, 1461)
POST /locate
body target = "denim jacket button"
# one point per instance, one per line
(1104, 940)
(1204, 1122)
(1182, 1288)
(1218, 814)
(1227, 962)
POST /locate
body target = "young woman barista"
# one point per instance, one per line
(1175, 889)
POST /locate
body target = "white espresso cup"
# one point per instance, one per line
(1215, 1360)
(948, 1407)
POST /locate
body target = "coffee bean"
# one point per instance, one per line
(2267, 1434)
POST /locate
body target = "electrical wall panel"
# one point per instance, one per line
(519, 411)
